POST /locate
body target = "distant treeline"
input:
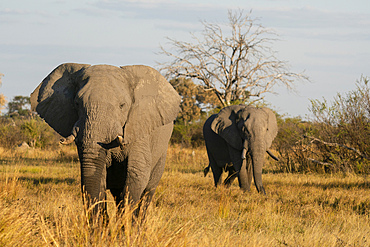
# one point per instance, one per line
(336, 139)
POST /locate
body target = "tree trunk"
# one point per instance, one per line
(228, 97)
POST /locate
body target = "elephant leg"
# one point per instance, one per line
(240, 166)
(103, 196)
(149, 191)
(216, 169)
(243, 177)
(249, 173)
(99, 204)
(231, 177)
(135, 184)
(138, 172)
(217, 172)
(116, 193)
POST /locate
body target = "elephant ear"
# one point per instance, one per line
(53, 99)
(272, 128)
(225, 125)
(155, 102)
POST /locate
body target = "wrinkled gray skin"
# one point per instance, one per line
(121, 120)
(237, 139)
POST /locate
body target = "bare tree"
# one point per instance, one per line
(235, 61)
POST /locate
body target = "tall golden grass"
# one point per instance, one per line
(40, 205)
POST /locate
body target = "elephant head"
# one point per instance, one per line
(250, 131)
(101, 106)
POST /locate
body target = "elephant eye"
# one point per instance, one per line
(122, 105)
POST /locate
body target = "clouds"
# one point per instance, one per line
(9, 12)
(328, 39)
(309, 18)
(176, 11)
(17, 16)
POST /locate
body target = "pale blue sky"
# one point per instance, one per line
(328, 39)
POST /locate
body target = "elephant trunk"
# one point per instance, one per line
(92, 136)
(257, 152)
(93, 175)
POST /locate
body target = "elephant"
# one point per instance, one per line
(121, 120)
(236, 140)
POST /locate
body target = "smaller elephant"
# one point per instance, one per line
(236, 140)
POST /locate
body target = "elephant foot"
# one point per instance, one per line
(206, 170)
(261, 190)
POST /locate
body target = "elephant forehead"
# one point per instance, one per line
(255, 113)
(104, 89)
(105, 75)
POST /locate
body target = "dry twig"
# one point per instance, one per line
(333, 144)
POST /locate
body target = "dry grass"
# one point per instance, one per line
(40, 205)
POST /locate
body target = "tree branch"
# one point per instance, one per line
(338, 145)
(232, 62)
(320, 162)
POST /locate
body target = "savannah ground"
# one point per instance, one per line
(40, 205)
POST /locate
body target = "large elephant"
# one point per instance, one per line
(237, 139)
(121, 119)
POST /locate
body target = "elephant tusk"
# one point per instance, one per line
(245, 149)
(121, 142)
(272, 156)
(244, 153)
(120, 139)
(68, 140)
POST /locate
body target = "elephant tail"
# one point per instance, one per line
(206, 170)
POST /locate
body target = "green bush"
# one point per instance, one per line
(32, 130)
(343, 140)
(291, 145)
(190, 135)
(336, 140)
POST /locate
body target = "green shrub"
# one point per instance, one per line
(344, 132)
(336, 140)
(292, 147)
(32, 130)
(190, 135)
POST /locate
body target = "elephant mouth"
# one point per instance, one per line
(117, 142)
